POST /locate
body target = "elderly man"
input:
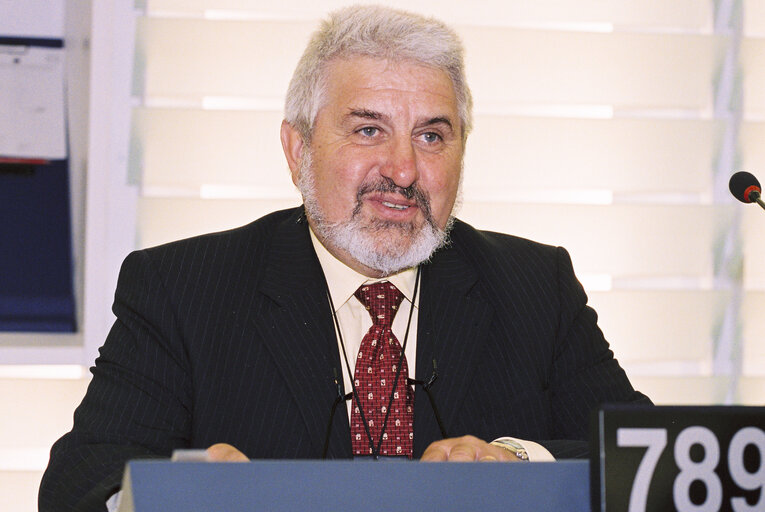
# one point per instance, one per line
(244, 342)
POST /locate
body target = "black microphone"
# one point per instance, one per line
(426, 385)
(340, 398)
(745, 187)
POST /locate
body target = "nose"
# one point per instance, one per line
(401, 164)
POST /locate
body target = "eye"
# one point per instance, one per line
(431, 137)
(369, 131)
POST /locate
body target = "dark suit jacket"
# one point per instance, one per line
(228, 337)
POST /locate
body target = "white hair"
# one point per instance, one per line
(380, 32)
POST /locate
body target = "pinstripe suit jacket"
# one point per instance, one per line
(228, 337)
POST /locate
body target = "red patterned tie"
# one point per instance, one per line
(374, 375)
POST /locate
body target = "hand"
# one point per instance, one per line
(466, 449)
(223, 452)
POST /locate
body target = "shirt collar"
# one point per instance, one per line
(343, 281)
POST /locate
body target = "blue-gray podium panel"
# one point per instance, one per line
(160, 486)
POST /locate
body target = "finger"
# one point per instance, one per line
(435, 453)
(463, 452)
(223, 452)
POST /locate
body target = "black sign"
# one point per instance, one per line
(658, 459)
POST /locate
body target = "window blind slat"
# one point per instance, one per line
(505, 66)
(192, 59)
(752, 314)
(754, 18)
(753, 64)
(751, 391)
(620, 240)
(631, 233)
(678, 14)
(752, 227)
(682, 390)
(622, 155)
(641, 323)
(162, 220)
(643, 71)
(189, 148)
(752, 143)
(42, 410)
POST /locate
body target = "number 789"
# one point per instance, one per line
(655, 440)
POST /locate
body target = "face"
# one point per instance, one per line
(381, 175)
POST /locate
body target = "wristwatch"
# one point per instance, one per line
(512, 446)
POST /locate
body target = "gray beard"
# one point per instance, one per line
(372, 244)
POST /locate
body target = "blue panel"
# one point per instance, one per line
(36, 292)
(356, 485)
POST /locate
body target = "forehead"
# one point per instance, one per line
(359, 78)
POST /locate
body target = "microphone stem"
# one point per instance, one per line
(756, 197)
(329, 426)
(435, 412)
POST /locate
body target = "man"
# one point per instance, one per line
(239, 341)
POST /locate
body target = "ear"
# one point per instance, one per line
(292, 144)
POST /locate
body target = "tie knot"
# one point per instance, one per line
(381, 300)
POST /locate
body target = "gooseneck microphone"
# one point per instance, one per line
(745, 187)
(426, 385)
(339, 399)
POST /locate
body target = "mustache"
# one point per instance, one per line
(387, 185)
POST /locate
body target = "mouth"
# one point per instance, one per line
(392, 203)
(395, 206)
(390, 207)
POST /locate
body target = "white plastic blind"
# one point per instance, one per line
(607, 127)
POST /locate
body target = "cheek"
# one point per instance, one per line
(443, 193)
(338, 180)
(352, 174)
(442, 182)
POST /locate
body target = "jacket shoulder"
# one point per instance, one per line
(213, 257)
(483, 248)
(260, 230)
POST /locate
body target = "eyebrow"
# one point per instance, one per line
(366, 114)
(439, 120)
(374, 115)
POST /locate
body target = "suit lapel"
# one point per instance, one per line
(298, 331)
(452, 327)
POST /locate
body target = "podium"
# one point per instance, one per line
(279, 485)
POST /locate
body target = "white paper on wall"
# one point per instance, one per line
(32, 122)
(32, 18)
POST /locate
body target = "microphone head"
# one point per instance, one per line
(744, 187)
